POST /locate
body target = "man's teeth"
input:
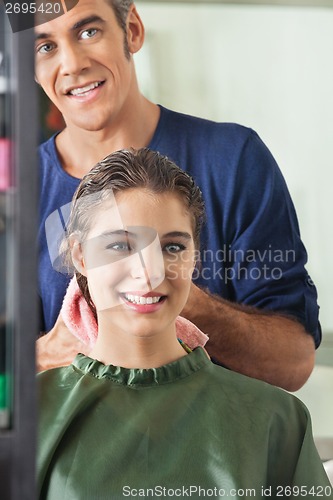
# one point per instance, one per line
(82, 90)
(137, 299)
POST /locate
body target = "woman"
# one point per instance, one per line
(143, 416)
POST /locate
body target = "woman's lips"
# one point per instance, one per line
(147, 303)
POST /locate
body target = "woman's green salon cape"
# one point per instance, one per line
(184, 429)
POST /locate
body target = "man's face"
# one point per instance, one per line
(82, 65)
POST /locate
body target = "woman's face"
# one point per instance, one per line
(138, 258)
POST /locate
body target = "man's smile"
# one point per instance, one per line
(84, 89)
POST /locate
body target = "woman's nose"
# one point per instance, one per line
(149, 265)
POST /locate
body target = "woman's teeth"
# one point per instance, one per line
(137, 299)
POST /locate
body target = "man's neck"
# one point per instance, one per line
(79, 150)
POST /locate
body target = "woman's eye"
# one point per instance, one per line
(89, 33)
(174, 247)
(119, 247)
(46, 48)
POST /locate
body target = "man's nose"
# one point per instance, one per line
(73, 59)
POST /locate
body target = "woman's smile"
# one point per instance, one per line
(147, 303)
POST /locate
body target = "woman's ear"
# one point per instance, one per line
(77, 257)
(135, 30)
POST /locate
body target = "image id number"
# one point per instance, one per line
(32, 8)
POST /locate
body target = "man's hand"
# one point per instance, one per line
(58, 347)
(257, 343)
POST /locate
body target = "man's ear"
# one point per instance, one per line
(135, 30)
(77, 257)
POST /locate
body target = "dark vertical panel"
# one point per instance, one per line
(25, 287)
(18, 442)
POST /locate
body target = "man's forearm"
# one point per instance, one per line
(266, 346)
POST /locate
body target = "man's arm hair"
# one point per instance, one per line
(260, 344)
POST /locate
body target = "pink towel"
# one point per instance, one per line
(80, 321)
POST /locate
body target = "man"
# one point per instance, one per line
(253, 296)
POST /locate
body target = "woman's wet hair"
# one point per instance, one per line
(124, 170)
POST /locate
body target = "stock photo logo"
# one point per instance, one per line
(23, 15)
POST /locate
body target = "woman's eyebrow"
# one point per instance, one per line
(177, 234)
(117, 232)
(124, 232)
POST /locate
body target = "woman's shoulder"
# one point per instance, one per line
(56, 380)
(252, 395)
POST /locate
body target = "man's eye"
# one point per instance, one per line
(46, 48)
(174, 247)
(89, 33)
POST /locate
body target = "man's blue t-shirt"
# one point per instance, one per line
(251, 251)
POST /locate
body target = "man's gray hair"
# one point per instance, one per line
(121, 8)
